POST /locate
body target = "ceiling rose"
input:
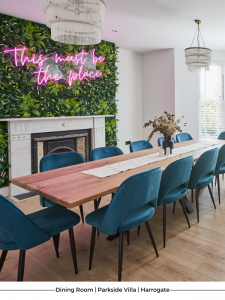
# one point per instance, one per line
(198, 58)
(77, 22)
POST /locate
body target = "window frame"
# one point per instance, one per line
(222, 65)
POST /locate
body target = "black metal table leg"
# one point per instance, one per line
(188, 206)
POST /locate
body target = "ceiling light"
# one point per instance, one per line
(75, 22)
(198, 58)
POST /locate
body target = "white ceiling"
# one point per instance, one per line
(145, 25)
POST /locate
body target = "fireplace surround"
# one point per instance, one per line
(61, 141)
(52, 134)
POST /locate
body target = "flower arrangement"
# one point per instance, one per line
(165, 124)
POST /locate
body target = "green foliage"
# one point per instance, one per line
(73, 107)
(54, 87)
(111, 130)
(20, 96)
(4, 166)
(102, 108)
(3, 138)
(33, 34)
(28, 107)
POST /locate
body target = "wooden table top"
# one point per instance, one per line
(69, 187)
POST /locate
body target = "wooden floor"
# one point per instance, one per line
(195, 254)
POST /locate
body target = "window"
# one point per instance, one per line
(211, 102)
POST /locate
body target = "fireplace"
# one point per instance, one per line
(32, 138)
(59, 141)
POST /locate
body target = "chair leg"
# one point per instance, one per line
(128, 237)
(210, 191)
(215, 181)
(223, 176)
(99, 200)
(92, 246)
(139, 227)
(212, 185)
(164, 225)
(174, 206)
(120, 260)
(218, 184)
(184, 210)
(197, 204)
(21, 265)
(151, 238)
(2, 259)
(81, 212)
(96, 207)
(73, 249)
(192, 195)
(56, 243)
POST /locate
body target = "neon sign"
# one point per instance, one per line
(49, 67)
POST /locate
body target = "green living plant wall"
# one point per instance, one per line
(21, 97)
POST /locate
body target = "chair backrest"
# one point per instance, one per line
(182, 137)
(134, 192)
(220, 160)
(221, 136)
(205, 165)
(57, 161)
(15, 223)
(161, 139)
(177, 174)
(140, 145)
(60, 160)
(105, 152)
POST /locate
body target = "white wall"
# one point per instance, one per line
(151, 83)
(129, 98)
(186, 95)
(218, 56)
(158, 86)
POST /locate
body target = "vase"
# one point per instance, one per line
(168, 142)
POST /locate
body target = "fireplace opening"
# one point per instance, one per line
(56, 142)
(60, 150)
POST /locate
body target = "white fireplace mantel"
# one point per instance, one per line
(20, 130)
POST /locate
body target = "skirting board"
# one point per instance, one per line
(4, 191)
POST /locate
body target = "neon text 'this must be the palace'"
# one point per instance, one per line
(43, 73)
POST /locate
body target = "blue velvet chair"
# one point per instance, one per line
(140, 145)
(23, 232)
(57, 161)
(202, 174)
(100, 153)
(183, 137)
(220, 167)
(174, 186)
(221, 136)
(105, 152)
(161, 139)
(133, 204)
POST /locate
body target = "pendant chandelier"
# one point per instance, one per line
(198, 58)
(77, 22)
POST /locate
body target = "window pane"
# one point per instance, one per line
(211, 102)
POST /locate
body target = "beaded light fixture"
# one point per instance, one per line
(198, 58)
(78, 22)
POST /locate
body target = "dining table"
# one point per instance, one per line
(70, 187)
